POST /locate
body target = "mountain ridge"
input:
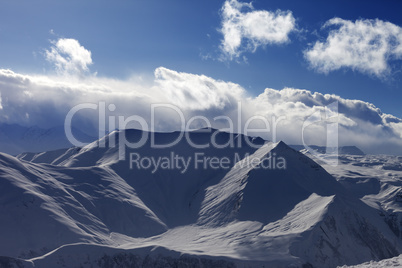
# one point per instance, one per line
(245, 214)
(16, 139)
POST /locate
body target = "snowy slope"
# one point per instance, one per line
(175, 196)
(91, 205)
(377, 181)
(44, 207)
(393, 262)
(265, 195)
(351, 150)
(54, 157)
(301, 200)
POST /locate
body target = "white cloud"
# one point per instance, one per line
(360, 123)
(47, 100)
(69, 57)
(245, 29)
(366, 46)
(197, 92)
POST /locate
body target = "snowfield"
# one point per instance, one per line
(270, 205)
(393, 262)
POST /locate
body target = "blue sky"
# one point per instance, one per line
(204, 57)
(128, 37)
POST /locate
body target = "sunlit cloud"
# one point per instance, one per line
(69, 57)
(196, 92)
(366, 46)
(245, 29)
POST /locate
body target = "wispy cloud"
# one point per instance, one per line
(244, 29)
(366, 46)
(196, 92)
(69, 57)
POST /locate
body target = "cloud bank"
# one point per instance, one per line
(245, 29)
(366, 46)
(45, 101)
(172, 98)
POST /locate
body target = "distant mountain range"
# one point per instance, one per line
(15, 139)
(266, 205)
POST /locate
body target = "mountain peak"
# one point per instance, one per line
(281, 145)
(206, 129)
(269, 202)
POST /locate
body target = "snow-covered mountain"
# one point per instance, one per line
(376, 180)
(352, 150)
(105, 205)
(392, 262)
(16, 139)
